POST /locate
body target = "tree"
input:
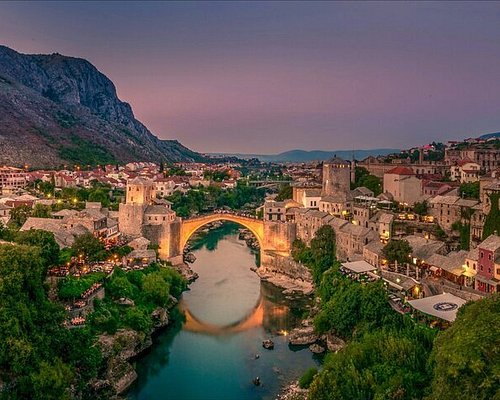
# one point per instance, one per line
(87, 246)
(156, 289)
(397, 250)
(52, 381)
(466, 356)
(19, 215)
(492, 220)
(285, 193)
(420, 208)
(45, 241)
(363, 178)
(41, 211)
(99, 195)
(385, 364)
(322, 251)
(470, 190)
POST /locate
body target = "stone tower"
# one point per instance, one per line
(336, 177)
(140, 191)
(140, 194)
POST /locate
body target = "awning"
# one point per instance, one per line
(433, 268)
(469, 274)
(444, 306)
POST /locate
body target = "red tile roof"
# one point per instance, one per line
(401, 171)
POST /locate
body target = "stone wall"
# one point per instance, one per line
(130, 219)
(278, 264)
(279, 236)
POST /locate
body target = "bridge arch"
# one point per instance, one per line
(191, 225)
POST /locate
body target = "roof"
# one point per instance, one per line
(157, 209)
(64, 213)
(142, 254)
(386, 218)
(439, 199)
(139, 242)
(473, 254)
(140, 181)
(312, 192)
(356, 230)
(374, 246)
(401, 282)
(359, 266)
(336, 198)
(452, 262)
(444, 306)
(491, 243)
(401, 171)
(465, 161)
(337, 161)
(423, 248)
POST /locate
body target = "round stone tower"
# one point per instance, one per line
(336, 177)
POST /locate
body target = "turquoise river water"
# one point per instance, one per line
(217, 351)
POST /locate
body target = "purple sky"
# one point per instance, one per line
(269, 77)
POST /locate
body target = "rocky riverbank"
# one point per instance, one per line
(121, 347)
(292, 391)
(289, 284)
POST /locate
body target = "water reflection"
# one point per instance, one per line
(228, 313)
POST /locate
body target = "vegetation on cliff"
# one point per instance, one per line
(42, 359)
(388, 355)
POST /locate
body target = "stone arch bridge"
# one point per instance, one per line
(191, 225)
(272, 236)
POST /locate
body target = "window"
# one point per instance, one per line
(489, 257)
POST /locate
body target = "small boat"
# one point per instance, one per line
(268, 344)
(256, 381)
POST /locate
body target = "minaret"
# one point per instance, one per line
(353, 168)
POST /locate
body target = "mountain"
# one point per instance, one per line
(314, 155)
(490, 136)
(58, 110)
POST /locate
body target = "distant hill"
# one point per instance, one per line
(314, 155)
(490, 136)
(56, 110)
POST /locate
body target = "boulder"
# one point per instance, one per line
(302, 336)
(316, 348)
(334, 343)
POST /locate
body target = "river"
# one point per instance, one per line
(217, 351)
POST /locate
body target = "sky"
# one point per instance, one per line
(266, 77)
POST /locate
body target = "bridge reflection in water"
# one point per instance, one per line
(274, 317)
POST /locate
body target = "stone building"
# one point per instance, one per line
(144, 215)
(336, 177)
(403, 185)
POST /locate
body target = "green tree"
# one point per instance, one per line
(470, 190)
(466, 356)
(45, 241)
(87, 246)
(156, 289)
(41, 211)
(52, 381)
(19, 215)
(420, 208)
(285, 193)
(363, 178)
(99, 195)
(492, 220)
(397, 250)
(322, 251)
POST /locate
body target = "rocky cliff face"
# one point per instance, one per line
(56, 109)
